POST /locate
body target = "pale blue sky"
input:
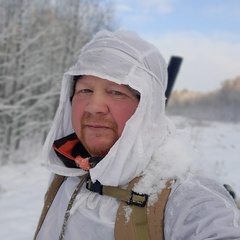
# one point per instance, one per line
(206, 33)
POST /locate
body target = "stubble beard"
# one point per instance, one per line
(106, 140)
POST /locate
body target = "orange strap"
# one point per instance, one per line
(66, 150)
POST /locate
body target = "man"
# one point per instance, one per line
(111, 125)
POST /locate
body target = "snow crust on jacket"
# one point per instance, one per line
(199, 208)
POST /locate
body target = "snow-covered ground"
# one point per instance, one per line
(22, 186)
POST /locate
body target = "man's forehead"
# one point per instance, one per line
(91, 78)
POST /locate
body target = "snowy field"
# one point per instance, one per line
(22, 186)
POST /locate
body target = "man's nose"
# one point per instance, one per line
(97, 104)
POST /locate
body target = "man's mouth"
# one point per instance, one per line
(95, 126)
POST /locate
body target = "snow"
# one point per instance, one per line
(22, 185)
(21, 193)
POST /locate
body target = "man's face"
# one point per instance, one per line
(100, 109)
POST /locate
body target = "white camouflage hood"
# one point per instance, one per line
(124, 58)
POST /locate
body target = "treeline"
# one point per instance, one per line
(39, 41)
(219, 105)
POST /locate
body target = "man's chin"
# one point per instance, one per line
(98, 149)
(98, 145)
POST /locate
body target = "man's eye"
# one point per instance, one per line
(117, 93)
(85, 90)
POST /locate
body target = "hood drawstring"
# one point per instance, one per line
(70, 204)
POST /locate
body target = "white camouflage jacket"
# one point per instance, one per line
(198, 208)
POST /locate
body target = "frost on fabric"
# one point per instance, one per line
(128, 211)
(173, 160)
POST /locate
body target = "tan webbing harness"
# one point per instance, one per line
(145, 223)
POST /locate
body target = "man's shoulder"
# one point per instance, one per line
(199, 194)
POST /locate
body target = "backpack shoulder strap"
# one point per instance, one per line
(144, 223)
(156, 215)
(49, 197)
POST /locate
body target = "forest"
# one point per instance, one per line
(39, 41)
(222, 105)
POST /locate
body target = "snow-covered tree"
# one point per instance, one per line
(39, 41)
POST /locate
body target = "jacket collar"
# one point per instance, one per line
(68, 148)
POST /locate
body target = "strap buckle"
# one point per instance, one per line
(94, 187)
(137, 199)
(130, 197)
